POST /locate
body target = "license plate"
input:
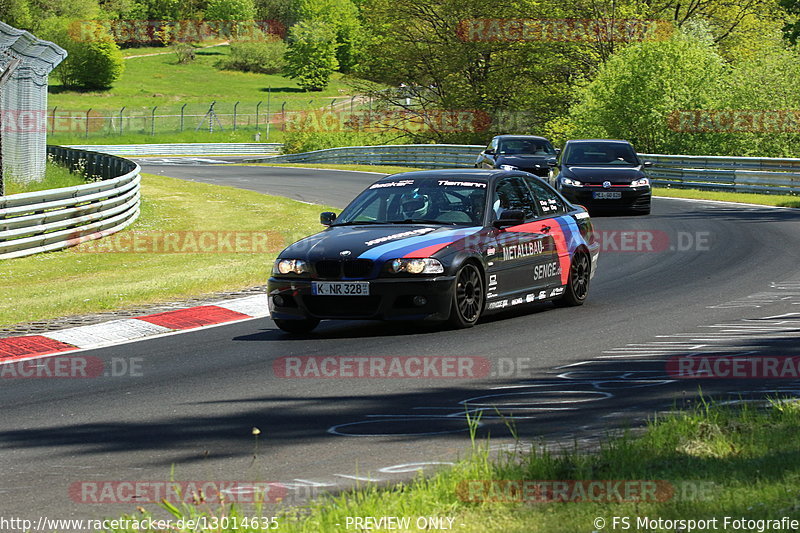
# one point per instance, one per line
(344, 288)
(611, 195)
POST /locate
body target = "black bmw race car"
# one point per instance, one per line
(446, 245)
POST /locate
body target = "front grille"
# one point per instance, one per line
(328, 269)
(360, 268)
(342, 306)
(541, 171)
(356, 268)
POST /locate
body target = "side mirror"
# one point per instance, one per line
(327, 218)
(558, 151)
(551, 162)
(647, 164)
(488, 151)
(509, 217)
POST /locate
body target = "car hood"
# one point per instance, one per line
(377, 242)
(599, 174)
(524, 161)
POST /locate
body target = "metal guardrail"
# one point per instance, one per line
(413, 155)
(768, 175)
(737, 174)
(58, 218)
(175, 149)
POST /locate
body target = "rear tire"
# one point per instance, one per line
(577, 288)
(468, 297)
(305, 325)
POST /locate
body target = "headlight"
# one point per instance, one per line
(508, 167)
(641, 183)
(290, 266)
(571, 182)
(416, 266)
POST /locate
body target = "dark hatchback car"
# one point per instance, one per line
(528, 153)
(604, 174)
(438, 245)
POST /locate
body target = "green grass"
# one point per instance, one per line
(55, 177)
(162, 81)
(71, 282)
(777, 200)
(708, 462)
(244, 135)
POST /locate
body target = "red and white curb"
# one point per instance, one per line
(126, 330)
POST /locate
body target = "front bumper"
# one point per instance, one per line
(633, 198)
(389, 299)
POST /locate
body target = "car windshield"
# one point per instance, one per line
(525, 147)
(440, 200)
(601, 153)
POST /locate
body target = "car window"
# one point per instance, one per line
(548, 201)
(511, 193)
(444, 201)
(600, 153)
(526, 147)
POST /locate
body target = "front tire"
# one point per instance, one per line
(468, 297)
(305, 325)
(577, 288)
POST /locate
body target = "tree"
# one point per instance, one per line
(639, 88)
(343, 17)
(94, 60)
(16, 13)
(311, 57)
(236, 10)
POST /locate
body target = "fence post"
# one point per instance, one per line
(53, 122)
(87, 122)
(234, 114)
(182, 108)
(269, 97)
(257, 106)
(153, 121)
(120, 119)
(283, 116)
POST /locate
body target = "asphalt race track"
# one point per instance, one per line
(714, 278)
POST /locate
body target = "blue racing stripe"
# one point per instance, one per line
(401, 247)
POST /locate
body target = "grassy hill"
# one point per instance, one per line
(159, 80)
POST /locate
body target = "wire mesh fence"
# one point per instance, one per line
(209, 117)
(25, 63)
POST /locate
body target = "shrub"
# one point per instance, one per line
(185, 52)
(94, 60)
(262, 56)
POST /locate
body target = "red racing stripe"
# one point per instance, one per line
(559, 239)
(428, 250)
(193, 317)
